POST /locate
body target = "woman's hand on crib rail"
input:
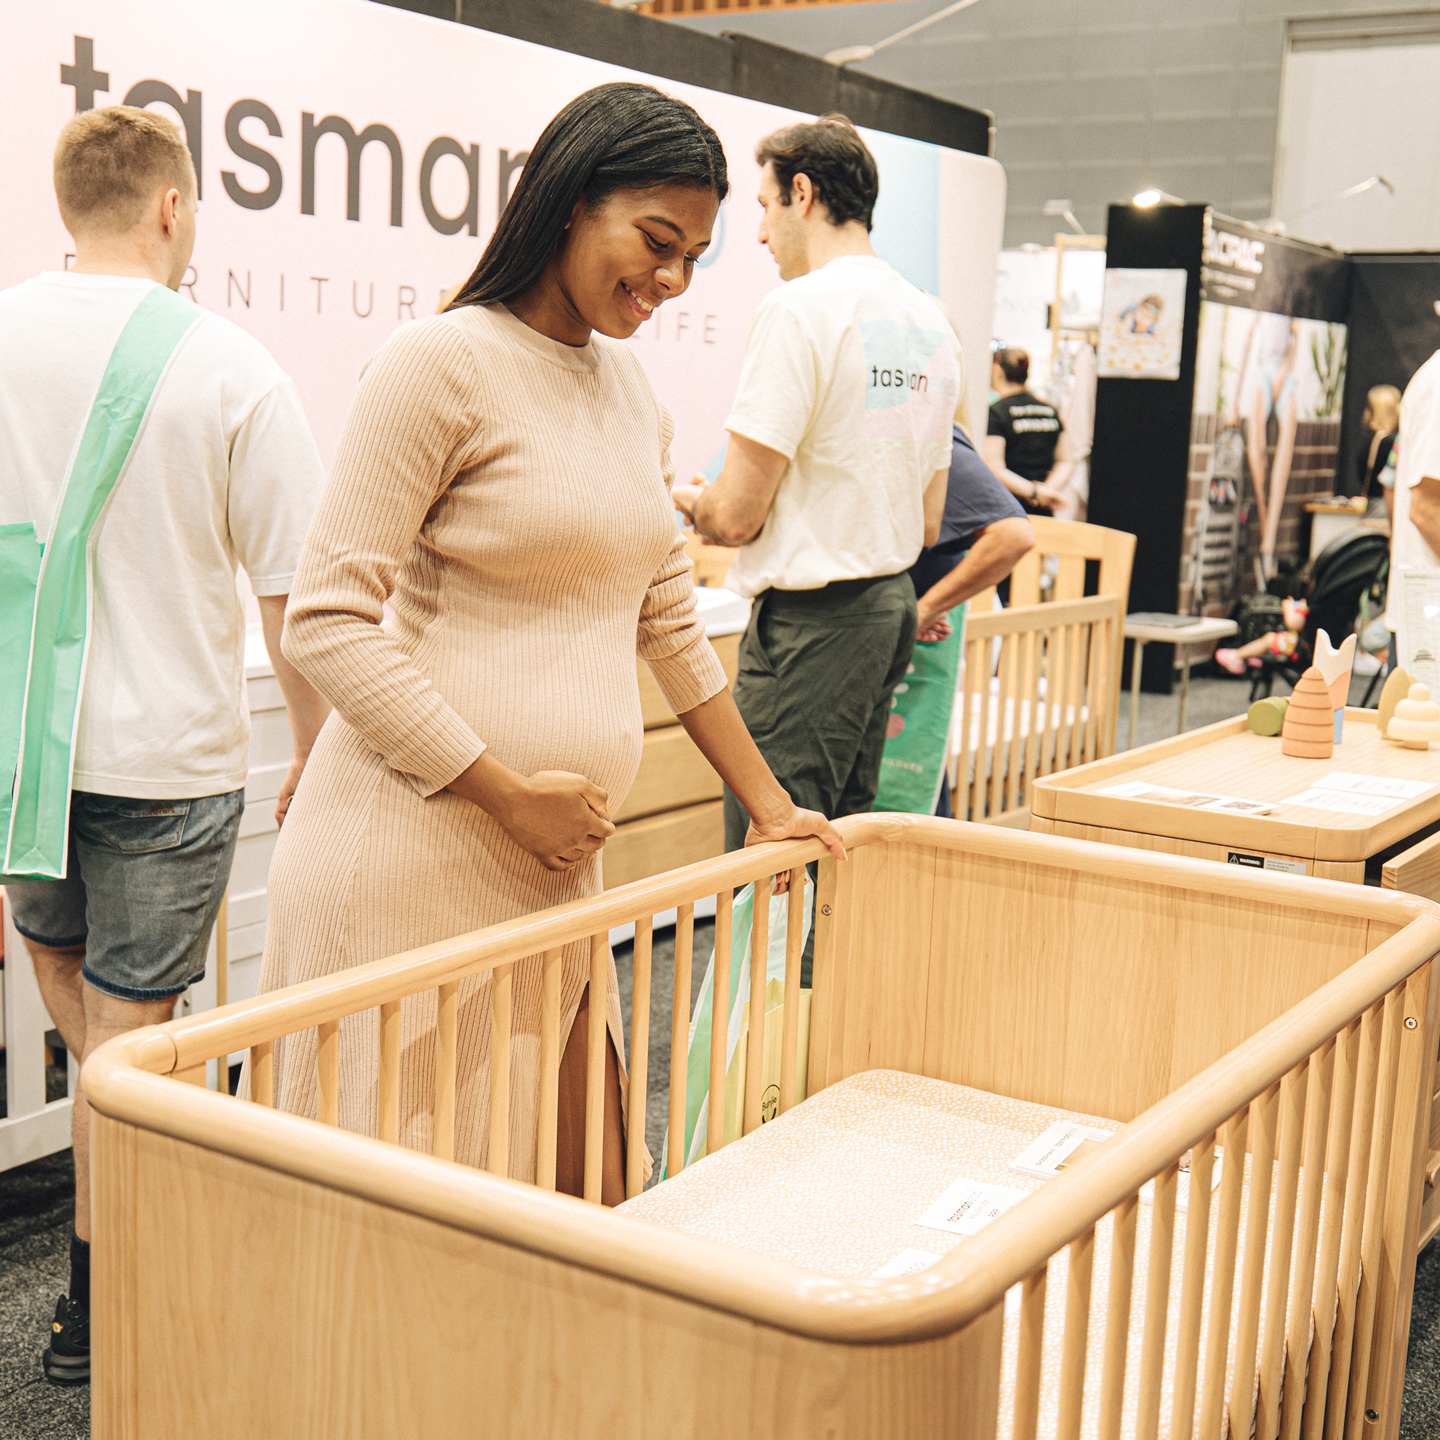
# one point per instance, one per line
(798, 824)
(558, 817)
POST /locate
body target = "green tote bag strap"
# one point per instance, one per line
(40, 750)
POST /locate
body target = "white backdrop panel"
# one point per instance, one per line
(322, 291)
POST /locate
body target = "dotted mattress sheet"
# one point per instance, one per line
(835, 1186)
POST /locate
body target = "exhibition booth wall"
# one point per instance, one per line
(353, 159)
(1241, 400)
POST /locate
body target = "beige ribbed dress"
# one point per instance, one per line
(508, 495)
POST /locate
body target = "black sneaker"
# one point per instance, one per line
(66, 1360)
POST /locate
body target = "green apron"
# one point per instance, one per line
(913, 764)
(46, 593)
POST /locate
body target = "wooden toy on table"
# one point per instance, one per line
(1416, 721)
(1396, 688)
(1267, 716)
(1335, 666)
(1309, 729)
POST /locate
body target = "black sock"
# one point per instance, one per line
(79, 1271)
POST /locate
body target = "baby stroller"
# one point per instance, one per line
(1339, 576)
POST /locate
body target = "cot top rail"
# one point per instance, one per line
(1018, 619)
(124, 1080)
(970, 1280)
(251, 1022)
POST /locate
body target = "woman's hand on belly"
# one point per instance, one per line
(557, 817)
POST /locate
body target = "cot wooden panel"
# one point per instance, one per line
(673, 774)
(650, 846)
(1181, 978)
(653, 705)
(545, 1348)
(887, 955)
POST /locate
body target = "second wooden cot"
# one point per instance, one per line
(323, 1283)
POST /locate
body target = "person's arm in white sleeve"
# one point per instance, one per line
(779, 384)
(275, 482)
(305, 707)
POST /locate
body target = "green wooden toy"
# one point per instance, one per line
(1267, 717)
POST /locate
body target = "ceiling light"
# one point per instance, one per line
(851, 53)
(1146, 198)
(1065, 210)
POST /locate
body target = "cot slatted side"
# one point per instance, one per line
(595, 1068)
(679, 1037)
(1077, 1334)
(755, 1054)
(1157, 1303)
(549, 1107)
(388, 1090)
(262, 1073)
(719, 1010)
(447, 1018)
(639, 1053)
(498, 1149)
(1197, 1234)
(328, 1066)
(1031, 1355)
(1117, 1318)
(794, 944)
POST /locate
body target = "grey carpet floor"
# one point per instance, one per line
(37, 1206)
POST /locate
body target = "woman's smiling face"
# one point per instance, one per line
(631, 253)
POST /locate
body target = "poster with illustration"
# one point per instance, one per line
(1264, 439)
(1142, 324)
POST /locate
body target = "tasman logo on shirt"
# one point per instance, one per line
(911, 382)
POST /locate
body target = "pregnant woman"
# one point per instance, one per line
(502, 481)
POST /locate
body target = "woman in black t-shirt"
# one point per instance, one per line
(1021, 437)
(1382, 418)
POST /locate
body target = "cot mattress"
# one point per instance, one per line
(836, 1186)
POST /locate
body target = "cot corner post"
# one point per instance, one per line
(972, 1402)
(833, 886)
(1404, 1188)
(114, 1305)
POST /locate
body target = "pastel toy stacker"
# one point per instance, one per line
(1416, 721)
(1335, 665)
(1309, 729)
(1397, 687)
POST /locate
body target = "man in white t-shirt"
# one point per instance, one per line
(834, 477)
(166, 443)
(1415, 523)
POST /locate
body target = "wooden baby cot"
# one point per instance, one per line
(319, 1283)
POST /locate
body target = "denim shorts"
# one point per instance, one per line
(142, 889)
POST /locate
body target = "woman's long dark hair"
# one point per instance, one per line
(620, 136)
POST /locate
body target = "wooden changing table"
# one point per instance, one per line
(1394, 850)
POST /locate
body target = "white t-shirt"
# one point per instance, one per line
(224, 471)
(854, 376)
(1419, 445)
